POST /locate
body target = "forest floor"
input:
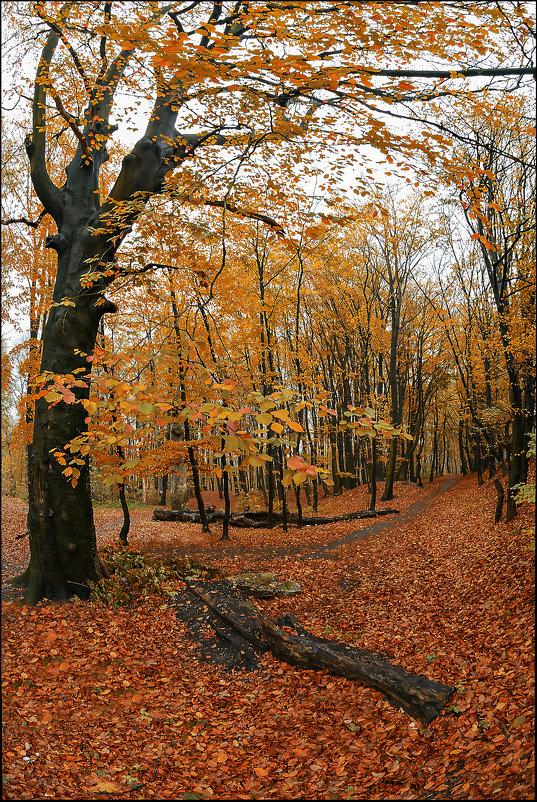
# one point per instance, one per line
(115, 703)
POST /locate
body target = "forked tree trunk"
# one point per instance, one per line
(63, 549)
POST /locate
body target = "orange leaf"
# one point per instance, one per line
(296, 427)
(295, 463)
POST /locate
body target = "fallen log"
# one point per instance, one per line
(259, 519)
(191, 516)
(351, 516)
(238, 622)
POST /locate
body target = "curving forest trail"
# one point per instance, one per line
(118, 702)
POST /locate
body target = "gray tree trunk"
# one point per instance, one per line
(179, 490)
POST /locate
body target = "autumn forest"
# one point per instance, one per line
(268, 399)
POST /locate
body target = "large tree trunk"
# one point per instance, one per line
(63, 548)
(63, 551)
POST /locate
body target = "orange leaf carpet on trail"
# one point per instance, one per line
(115, 703)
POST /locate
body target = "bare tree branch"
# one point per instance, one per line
(32, 223)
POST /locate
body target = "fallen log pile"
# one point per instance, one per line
(232, 631)
(257, 519)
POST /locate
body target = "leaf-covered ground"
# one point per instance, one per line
(102, 703)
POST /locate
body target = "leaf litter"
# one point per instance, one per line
(104, 703)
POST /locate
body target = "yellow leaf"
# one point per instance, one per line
(266, 405)
(287, 478)
(89, 406)
(277, 427)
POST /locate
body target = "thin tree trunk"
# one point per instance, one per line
(163, 490)
(196, 481)
(478, 465)
(464, 467)
(517, 474)
(227, 504)
(390, 471)
(298, 505)
(499, 503)
(270, 476)
(126, 516)
(284, 499)
(373, 473)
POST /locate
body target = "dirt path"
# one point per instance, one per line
(15, 560)
(300, 552)
(413, 510)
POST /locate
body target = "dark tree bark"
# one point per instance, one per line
(477, 458)
(373, 501)
(123, 534)
(285, 511)
(63, 550)
(434, 457)
(163, 490)
(227, 503)
(196, 479)
(418, 469)
(245, 627)
(464, 467)
(299, 520)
